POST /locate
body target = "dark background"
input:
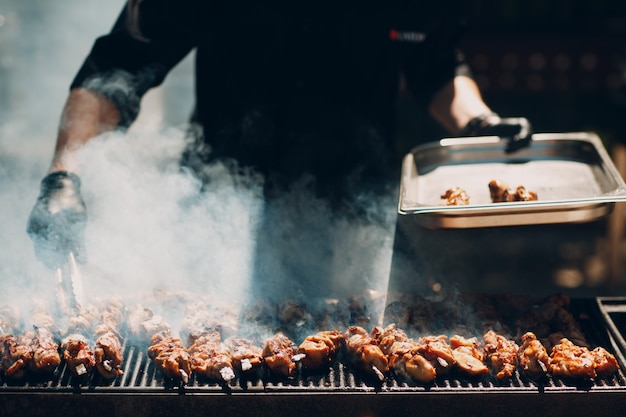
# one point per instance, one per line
(561, 64)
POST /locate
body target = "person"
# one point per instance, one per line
(287, 90)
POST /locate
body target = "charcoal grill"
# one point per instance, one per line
(142, 390)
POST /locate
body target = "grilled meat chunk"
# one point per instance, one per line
(108, 352)
(469, 357)
(246, 356)
(501, 354)
(211, 358)
(437, 350)
(170, 356)
(604, 362)
(571, 361)
(320, 349)
(365, 354)
(454, 197)
(533, 357)
(78, 355)
(403, 354)
(45, 350)
(15, 357)
(278, 352)
(501, 193)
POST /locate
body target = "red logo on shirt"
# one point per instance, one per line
(406, 36)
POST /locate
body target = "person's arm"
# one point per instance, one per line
(457, 103)
(86, 115)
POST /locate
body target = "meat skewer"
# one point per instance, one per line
(108, 353)
(211, 358)
(502, 354)
(438, 352)
(45, 352)
(469, 357)
(246, 356)
(533, 357)
(278, 352)
(365, 354)
(319, 350)
(571, 361)
(170, 356)
(403, 354)
(78, 355)
(15, 357)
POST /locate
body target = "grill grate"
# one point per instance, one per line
(142, 390)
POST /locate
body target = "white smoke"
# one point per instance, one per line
(150, 224)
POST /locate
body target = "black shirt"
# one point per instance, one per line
(286, 88)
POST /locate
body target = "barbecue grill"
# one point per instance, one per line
(341, 390)
(142, 390)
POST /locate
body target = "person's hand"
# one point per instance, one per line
(517, 130)
(57, 222)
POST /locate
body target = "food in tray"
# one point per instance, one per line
(502, 193)
(499, 191)
(455, 197)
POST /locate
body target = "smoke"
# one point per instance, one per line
(152, 226)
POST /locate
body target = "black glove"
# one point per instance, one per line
(517, 130)
(57, 222)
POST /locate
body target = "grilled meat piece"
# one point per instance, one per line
(246, 356)
(108, 352)
(211, 358)
(454, 197)
(533, 357)
(320, 349)
(403, 354)
(278, 352)
(469, 357)
(571, 361)
(604, 362)
(501, 354)
(15, 357)
(437, 350)
(45, 350)
(170, 356)
(78, 355)
(364, 352)
(501, 193)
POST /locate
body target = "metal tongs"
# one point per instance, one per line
(70, 292)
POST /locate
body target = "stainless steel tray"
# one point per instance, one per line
(572, 174)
